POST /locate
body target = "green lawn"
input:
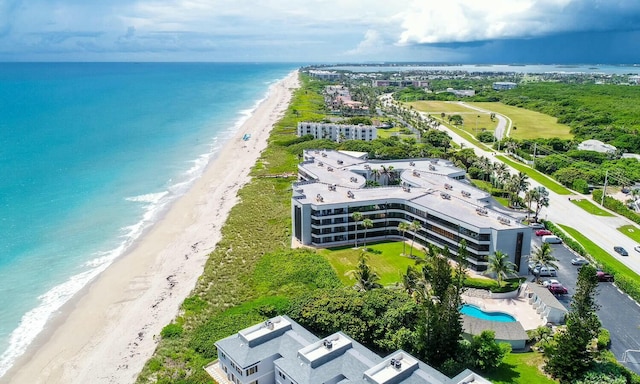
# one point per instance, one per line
(600, 255)
(520, 368)
(631, 231)
(384, 258)
(591, 208)
(537, 176)
(384, 133)
(529, 124)
(437, 107)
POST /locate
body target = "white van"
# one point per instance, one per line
(551, 239)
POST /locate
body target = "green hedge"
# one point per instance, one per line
(616, 206)
(569, 241)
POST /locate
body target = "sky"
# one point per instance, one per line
(319, 31)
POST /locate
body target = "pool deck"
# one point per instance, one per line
(517, 307)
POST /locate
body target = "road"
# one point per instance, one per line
(618, 313)
(504, 122)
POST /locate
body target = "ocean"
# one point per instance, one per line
(90, 155)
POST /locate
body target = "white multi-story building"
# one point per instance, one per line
(503, 85)
(338, 132)
(333, 185)
(280, 351)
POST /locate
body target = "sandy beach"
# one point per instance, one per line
(109, 330)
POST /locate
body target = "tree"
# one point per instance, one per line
(570, 357)
(486, 353)
(542, 200)
(366, 224)
(403, 228)
(542, 256)
(366, 278)
(529, 198)
(500, 265)
(414, 227)
(356, 216)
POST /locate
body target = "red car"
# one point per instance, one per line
(543, 232)
(557, 289)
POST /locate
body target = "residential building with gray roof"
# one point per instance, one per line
(333, 185)
(282, 351)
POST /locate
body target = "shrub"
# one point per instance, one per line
(485, 137)
(171, 330)
(580, 185)
(570, 242)
(604, 339)
(616, 206)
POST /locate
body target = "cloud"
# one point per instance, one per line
(427, 22)
(372, 43)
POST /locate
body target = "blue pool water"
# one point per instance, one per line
(473, 311)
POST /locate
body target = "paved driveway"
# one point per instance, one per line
(618, 313)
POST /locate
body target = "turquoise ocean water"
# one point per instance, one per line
(90, 153)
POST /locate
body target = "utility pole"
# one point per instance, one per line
(604, 191)
(535, 146)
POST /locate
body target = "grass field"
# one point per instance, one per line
(520, 368)
(537, 176)
(384, 133)
(384, 258)
(591, 208)
(529, 124)
(437, 107)
(631, 231)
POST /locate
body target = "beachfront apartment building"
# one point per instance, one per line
(333, 185)
(280, 351)
(325, 75)
(338, 132)
(400, 83)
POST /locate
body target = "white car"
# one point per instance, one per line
(545, 271)
(547, 283)
(579, 261)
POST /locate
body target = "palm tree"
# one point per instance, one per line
(366, 278)
(375, 173)
(356, 216)
(366, 224)
(542, 200)
(403, 228)
(414, 227)
(500, 265)
(411, 280)
(542, 256)
(530, 197)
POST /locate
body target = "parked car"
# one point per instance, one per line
(545, 271)
(579, 261)
(557, 289)
(551, 239)
(536, 225)
(621, 250)
(604, 276)
(547, 283)
(543, 232)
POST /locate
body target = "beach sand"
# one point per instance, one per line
(109, 330)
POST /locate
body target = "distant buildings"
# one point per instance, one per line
(325, 75)
(283, 352)
(597, 146)
(503, 85)
(400, 83)
(338, 99)
(338, 132)
(431, 191)
(634, 79)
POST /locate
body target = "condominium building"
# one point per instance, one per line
(503, 85)
(338, 132)
(400, 83)
(283, 352)
(333, 185)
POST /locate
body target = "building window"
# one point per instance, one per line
(252, 370)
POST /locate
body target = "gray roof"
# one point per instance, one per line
(507, 331)
(547, 297)
(288, 344)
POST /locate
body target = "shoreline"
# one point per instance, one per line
(107, 332)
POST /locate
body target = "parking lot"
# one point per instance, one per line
(618, 313)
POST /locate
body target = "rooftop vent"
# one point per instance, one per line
(332, 187)
(432, 168)
(367, 166)
(320, 163)
(330, 169)
(319, 198)
(353, 179)
(445, 196)
(350, 194)
(504, 220)
(396, 363)
(412, 164)
(482, 211)
(465, 193)
(340, 162)
(406, 188)
(327, 343)
(324, 154)
(416, 173)
(448, 186)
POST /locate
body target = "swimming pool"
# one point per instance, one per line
(473, 311)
